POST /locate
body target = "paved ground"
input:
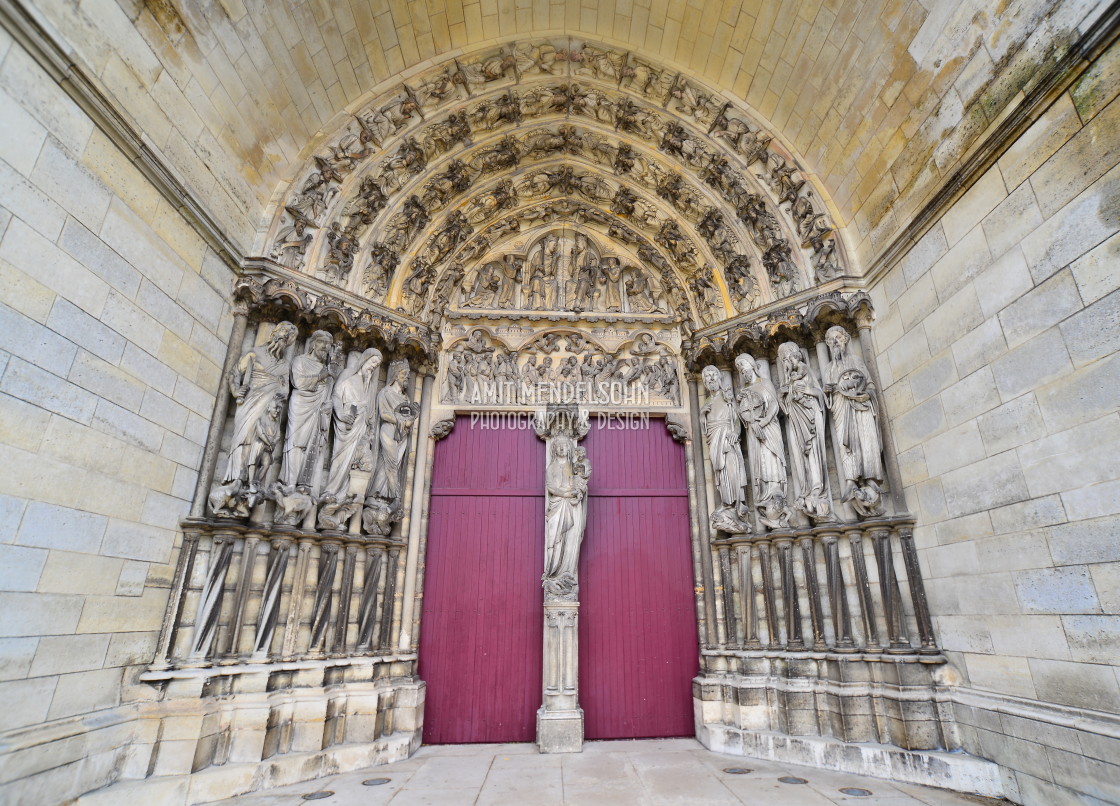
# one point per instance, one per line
(666, 771)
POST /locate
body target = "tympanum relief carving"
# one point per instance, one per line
(560, 366)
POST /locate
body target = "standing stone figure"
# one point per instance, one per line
(566, 479)
(258, 378)
(802, 401)
(850, 395)
(397, 414)
(309, 410)
(720, 421)
(758, 408)
(353, 422)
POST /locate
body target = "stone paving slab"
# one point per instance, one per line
(652, 772)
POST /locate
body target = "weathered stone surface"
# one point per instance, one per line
(1047, 304)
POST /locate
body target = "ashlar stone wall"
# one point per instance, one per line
(113, 322)
(999, 357)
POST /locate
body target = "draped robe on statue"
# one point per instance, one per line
(266, 377)
(854, 419)
(803, 404)
(352, 395)
(566, 515)
(721, 432)
(310, 397)
(393, 444)
(758, 405)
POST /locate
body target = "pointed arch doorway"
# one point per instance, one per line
(481, 630)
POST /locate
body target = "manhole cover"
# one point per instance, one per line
(375, 781)
(737, 770)
(792, 779)
(855, 791)
(323, 793)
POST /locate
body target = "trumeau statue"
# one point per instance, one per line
(566, 507)
(802, 401)
(396, 414)
(850, 394)
(720, 421)
(758, 409)
(258, 381)
(309, 410)
(354, 420)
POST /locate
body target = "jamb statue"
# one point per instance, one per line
(720, 422)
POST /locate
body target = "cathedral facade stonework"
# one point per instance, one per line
(880, 329)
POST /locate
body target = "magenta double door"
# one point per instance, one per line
(481, 628)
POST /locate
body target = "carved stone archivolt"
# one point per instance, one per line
(741, 206)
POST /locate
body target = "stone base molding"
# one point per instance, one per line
(955, 771)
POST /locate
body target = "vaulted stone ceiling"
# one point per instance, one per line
(879, 99)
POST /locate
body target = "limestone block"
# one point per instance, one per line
(1045, 136)
(936, 375)
(927, 251)
(909, 352)
(961, 263)
(150, 370)
(1080, 162)
(979, 348)
(105, 380)
(1093, 638)
(1075, 457)
(134, 541)
(63, 654)
(1075, 229)
(21, 136)
(1068, 589)
(1094, 332)
(85, 692)
(21, 567)
(917, 301)
(931, 501)
(1095, 271)
(123, 614)
(124, 179)
(29, 251)
(25, 701)
(163, 308)
(16, 655)
(50, 526)
(1032, 364)
(954, 448)
(180, 450)
(132, 578)
(1093, 501)
(202, 300)
(1032, 636)
(918, 424)
(20, 291)
(1092, 541)
(1005, 674)
(965, 634)
(1084, 685)
(1007, 279)
(1012, 220)
(178, 355)
(48, 391)
(970, 397)
(164, 411)
(1015, 423)
(966, 527)
(993, 482)
(956, 315)
(194, 397)
(971, 208)
(1022, 550)
(31, 204)
(133, 323)
(1047, 304)
(1082, 396)
(126, 649)
(951, 560)
(132, 428)
(1012, 752)
(65, 179)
